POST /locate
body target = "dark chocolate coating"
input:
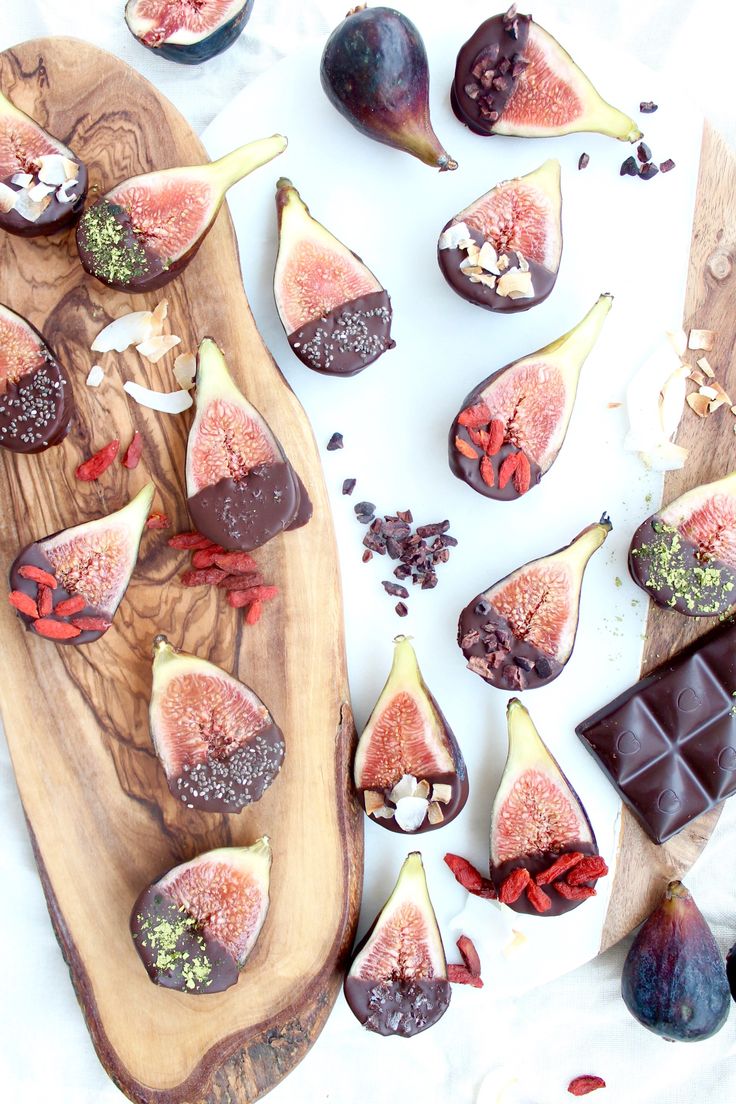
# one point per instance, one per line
(34, 555)
(668, 743)
(151, 270)
(457, 780)
(348, 338)
(304, 509)
(35, 411)
(468, 470)
(188, 947)
(667, 567)
(209, 43)
(507, 41)
(449, 260)
(227, 784)
(397, 1007)
(535, 864)
(57, 216)
(498, 647)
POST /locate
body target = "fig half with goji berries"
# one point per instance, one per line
(520, 633)
(408, 767)
(36, 400)
(544, 856)
(511, 427)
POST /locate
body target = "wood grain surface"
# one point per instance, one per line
(101, 818)
(644, 868)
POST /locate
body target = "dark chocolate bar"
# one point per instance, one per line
(668, 743)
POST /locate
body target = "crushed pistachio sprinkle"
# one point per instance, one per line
(669, 564)
(163, 936)
(103, 237)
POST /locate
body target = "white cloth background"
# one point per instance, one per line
(575, 1025)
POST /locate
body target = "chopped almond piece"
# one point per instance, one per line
(435, 814)
(701, 339)
(441, 792)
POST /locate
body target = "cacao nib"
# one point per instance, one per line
(393, 548)
(543, 667)
(365, 508)
(583, 161)
(524, 662)
(514, 677)
(403, 571)
(479, 665)
(375, 543)
(367, 555)
(647, 107)
(629, 167)
(429, 582)
(335, 442)
(470, 639)
(395, 589)
(348, 486)
(643, 152)
(482, 608)
(666, 166)
(647, 171)
(433, 530)
(401, 609)
(405, 515)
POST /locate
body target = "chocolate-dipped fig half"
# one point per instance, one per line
(189, 32)
(520, 633)
(336, 315)
(408, 766)
(374, 70)
(731, 970)
(684, 556)
(512, 426)
(674, 981)
(217, 741)
(397, 982)
(503, 251)
(67, 587)
(540, 832)
(241, 488)
(42, 182)
(512, 77)
(36, 400)
(195, 927)
(144, 231)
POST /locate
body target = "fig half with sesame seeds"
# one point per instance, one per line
(217, 742)
(36, 399)
(684, 556)
(336, 314)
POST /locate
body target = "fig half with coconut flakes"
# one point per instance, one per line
(336, 314)
(520, 633)
(144, 231)
(408, 766)
(684, 556)
(503, 251)
(43, 183)
(217, 741)
(241, 488)
(512, 77)
(67, 587)
(195, 927)
(512, 426)
(397, 982)
(190, 32)
(36, 399)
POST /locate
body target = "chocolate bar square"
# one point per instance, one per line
(668, 743)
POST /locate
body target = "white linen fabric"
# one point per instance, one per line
(577, 1024)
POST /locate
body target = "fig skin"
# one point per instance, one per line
(44, 421)
(674, 981)
(212, 42)
(374, 71)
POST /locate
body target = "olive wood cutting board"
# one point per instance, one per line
(102, 821)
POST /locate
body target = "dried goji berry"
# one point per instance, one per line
(496, 434)
(236, 562)
(587, 1083)
(465, 448)
(37, 575)
(538, 898)
(486, 471)
(192, 540)
(474, 416)
(470, 878)
(45, 601)
(68, 606)
(514, 885)
(479, 437)
(157, 520)
(23, 603)
(239, 582)
(92, 624)
(55, 630)
(254, 613)
(93, 468)
(592, 866)
(461, 975)
(574, 893)
(134, 451)
(523, 474)
(205, 557)
(469, 954)
(209, 576)
(559, 867)
(507, 469)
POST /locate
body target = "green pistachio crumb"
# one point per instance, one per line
(103, 236)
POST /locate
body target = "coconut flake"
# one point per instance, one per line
(22, 180)
(55, 168)
(119, 335)
(434, 813)
(405, 787)
(453, 236)
(704, 364)
(678, 340)
(373, 799)
(39, 191)
(441, 792)
(488, 259)
(7, 198)
(29, 209)
(699, 403)
(515, 284)
(65, 193)
(168, 402)
(410, 812)
(185, 370)
(654, 400)
(96, 376)
(153, 348)
(701, 339)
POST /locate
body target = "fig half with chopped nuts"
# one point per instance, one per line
(189, 32)
(512, 77)
(544, 855)
(397, 982)
(408, 767)
(520, 633)
(684, 556)
(511, 427)
(36, 400)
(503, 251)
(216, 740)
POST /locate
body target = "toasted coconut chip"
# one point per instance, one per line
(454, 236)
(672, 401)
(516, 284)
(410, 813)
(487, 280)
(65, 193)
(666, 456)
(168, 402)
(96, 376)
(721, 393)
(716, 404)
(515, 944)
(153, 348)
(7, 198)
(435, 814)
(522, 261)
(185, 370)
(422, 789)
(655, 400)
(709, 392)
(372, 801)
(678, 341)
(158, 317)
(441, 792)
(699, 403)
(696, 377)
(488, 258)
(39, 191)
(503, 262)
(23, 180)
(470, 264)
(384, 812)
(30, 209)
(405, 787)
(119, 335)
(701, 339)
(704, 364)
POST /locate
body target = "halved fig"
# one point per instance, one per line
(217, 741)
(512, 426)
(538, 825)
(43, 183)
(503, 251)
(144, 231)
(408, 766)
(397, 982)
(684, 556)
(336, 315)
(241, 488)
(190, 32)
(36, 399)
(520, 633)
(195, 927)
(512, 77)
(67, 587)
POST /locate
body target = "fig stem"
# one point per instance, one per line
(231, 168)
